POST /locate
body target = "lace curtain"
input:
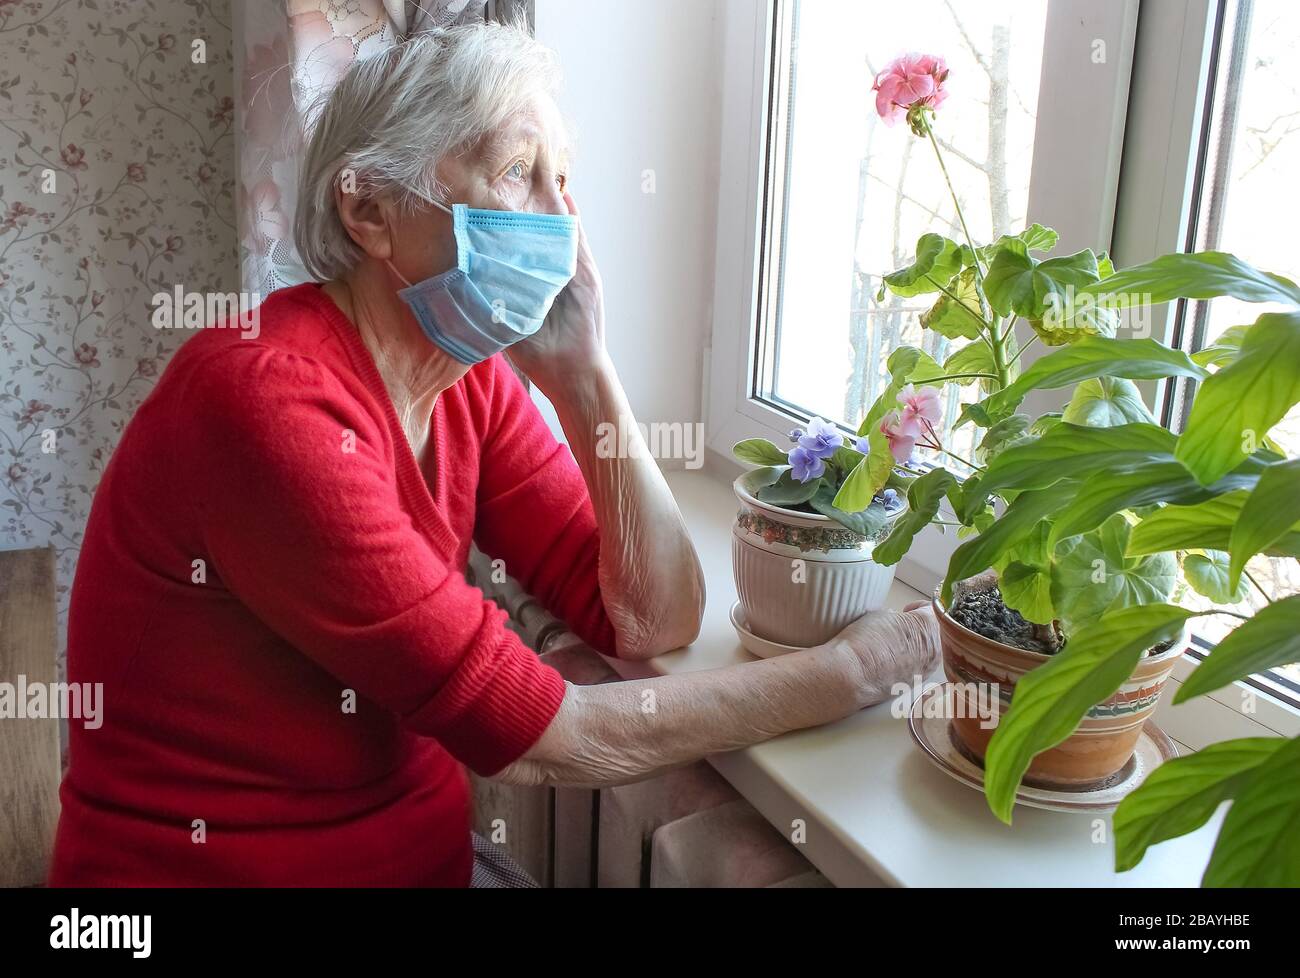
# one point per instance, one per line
(287, 53)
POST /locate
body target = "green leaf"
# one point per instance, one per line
(1234, 410)
(1258, 844)
(759, 451)
(1027, 588)
(1045, 423)
(886, 402)
(1180, 795)
(973, 358)
(867, 521)
(1203, 275)
(923, 498)
(847, 458)
(1269, 513)
(1033, 238)
(1092, 576)
(1070, 316)
(938, 259)
(1006, 433)
(1225, 348)
(1018, 283)
(912, 365)
(787, 492)
(1105, 402)
(1268, 640)
(1203, 525)
(767, 475)
(1207, 573)
(1031, 549)
(1071, 451)
(956, 313)
(975, 413)
(864, 482)
(1094, 356)
(1134, 485)
(1050, 700)
(1010, 530)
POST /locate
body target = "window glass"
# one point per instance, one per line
(849, 196)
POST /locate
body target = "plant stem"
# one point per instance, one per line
(947, 377)
(943, 168)
(977, 468)
(1262, 592)
(1027, 345)
(998, 343)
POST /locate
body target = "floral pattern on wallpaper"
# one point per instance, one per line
(116, 182)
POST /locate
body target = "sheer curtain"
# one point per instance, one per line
(287, 53)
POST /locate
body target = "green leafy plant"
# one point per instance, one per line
(1092, 515)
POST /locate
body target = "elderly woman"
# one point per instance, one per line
(271, 588)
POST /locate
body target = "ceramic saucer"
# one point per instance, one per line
(935, 736)
(760, 647)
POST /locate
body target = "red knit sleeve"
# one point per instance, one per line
(299, 512)
(535, 514)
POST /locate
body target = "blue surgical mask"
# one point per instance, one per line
(510, 266)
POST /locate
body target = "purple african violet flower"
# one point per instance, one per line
(821, 438)
(805, 466)
(796, 434)
(863, 445)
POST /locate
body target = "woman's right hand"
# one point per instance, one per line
(891, 647)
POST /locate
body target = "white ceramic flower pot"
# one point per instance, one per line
(801, 577)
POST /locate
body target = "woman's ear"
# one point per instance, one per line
(368, 220)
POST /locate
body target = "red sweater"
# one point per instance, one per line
(327, 575)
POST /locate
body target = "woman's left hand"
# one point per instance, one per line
(571, 342)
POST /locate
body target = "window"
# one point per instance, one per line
(1244, 201)
(849, 196)
(1182, 135)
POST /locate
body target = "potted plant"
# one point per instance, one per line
(1079, 524)
(804, 567)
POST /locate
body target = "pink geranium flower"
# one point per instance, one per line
(921, 406)
(908, 82)
(901, 434)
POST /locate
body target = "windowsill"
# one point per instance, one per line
(876, 810)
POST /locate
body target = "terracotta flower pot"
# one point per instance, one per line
(1100, 747)
(801, 604)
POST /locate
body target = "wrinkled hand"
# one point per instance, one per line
(892, 647)
(571, 343)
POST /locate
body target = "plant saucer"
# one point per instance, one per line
(934, 734)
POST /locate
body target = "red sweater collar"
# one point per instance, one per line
(426, 509)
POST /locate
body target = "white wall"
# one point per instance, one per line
(642, 94)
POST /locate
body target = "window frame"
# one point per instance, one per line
(1134, 200)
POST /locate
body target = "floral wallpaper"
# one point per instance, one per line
(116, 182)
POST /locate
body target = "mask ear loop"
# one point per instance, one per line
(405, 281)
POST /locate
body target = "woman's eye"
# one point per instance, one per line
(561, 181)
(516, 171)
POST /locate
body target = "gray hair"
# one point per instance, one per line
(393, 117)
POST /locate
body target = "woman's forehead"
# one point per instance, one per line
(538, 128)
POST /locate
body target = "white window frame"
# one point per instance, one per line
(1083, 197)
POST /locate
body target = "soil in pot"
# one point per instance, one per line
(981, 610)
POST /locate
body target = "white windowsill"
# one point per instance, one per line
(876, 810)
